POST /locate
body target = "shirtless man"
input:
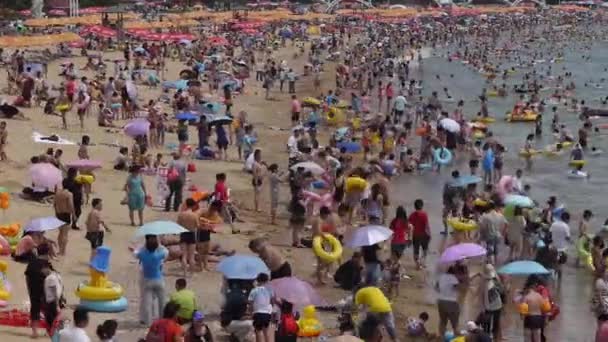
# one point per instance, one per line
(279, 267)
(534, 320)
(3, 140)
(189, 219)
(64, 210)
(326, 223)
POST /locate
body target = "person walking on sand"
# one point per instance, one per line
(152, 257)
(176, 178)
(94, 225)
(70, 184)
(136, 194)
(189, 219)
(63, 204)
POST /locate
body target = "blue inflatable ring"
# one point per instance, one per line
(108, 306)
(349, 146)
(446, 153)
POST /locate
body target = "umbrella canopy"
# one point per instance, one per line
(186, 116)
(84, 164)
(137, 127)
(466, 180)
(450, 125)
(296, 291)
(519, 200)
(524, 267)
(45, 175)
(221, 120)
(461, 251)
(43, 224)
(367, 236)
(160, 228)
(217, 41)
(245, 267)
(313, 167)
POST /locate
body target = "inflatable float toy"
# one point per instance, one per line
(462, 225)
(528, 153)
(519, 201)
(477, 134)
(354, 184)
(18, 318)
(577, 163)
(311, 101)
(318, 201)
(5, 247)
(492, 93)
(99, 293)
(12, 234)
(421, 131)
(85, 179)
(442, 156)
(333, 116)
(478, 202)
(116, 105)
(308, 324)
(5, 286)
(62, 108)
(577, 174)
(527, 117)
(349, 146)
(584, 255)
(333, 242)
(486, 119)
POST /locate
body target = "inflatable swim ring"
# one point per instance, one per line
(108, 306)
(529, 153)
(492, 93)
(477, 134)
(486, 119)
(112, 291)
(62, 108)
(85, 179)
(336, 247)
(577, 162)
(355, 184)
(311, 101)
(462, 225)
(527, 117)
(332, 116)
(438, 153)
(309, 325)
(421, 131)
(349, 146)
(478, 202)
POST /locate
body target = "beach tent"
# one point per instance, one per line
(41, 40)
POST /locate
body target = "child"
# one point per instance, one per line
(94, 224)
(415, 326)
(392, 275)
(122, 161)
(83, 152)
(274, 181)
(287, 330)
(260, 300)
(159, 161)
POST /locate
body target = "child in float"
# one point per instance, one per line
(528, 152)
(325, 223)
(94, 225)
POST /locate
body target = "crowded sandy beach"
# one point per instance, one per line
(270, 174)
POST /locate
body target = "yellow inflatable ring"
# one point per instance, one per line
(63, 107)
(174, 53)
(462, 225)
(85, 179)
(479, 134)
(486, 120)
(577, 162)
(5, 295)
(527, 117)
(530, 153)
(355, 184)
(492, 93)
(480, 203)
(336, 247)
(332, 116)
(112, 291)
(311, 101)
(566, 143)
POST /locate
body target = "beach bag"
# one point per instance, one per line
(191, 167)
(288, 325)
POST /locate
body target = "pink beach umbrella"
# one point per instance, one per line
(137, 127)
(87, 164)
(45, 175)
(298, 292)
(505, 186)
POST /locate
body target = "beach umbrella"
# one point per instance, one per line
(524, 267)
(461, 251)
(187, 116)
(139, 50)
(160, 228)
(221, 120)
(42, 224)
(518, 200)
(450, 125)
(313, 167)
(240, 266)
(367, 236)
(217, 41)
(136, 128)
(298, 292)
(45, 175)
(463, 181)
(87, 164)
(505, 185)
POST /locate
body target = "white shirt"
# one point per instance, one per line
(292, 146)
(73, 334)
(447, 287)
(400, 103)
(52, 287)
(260, 298)
(560, 232)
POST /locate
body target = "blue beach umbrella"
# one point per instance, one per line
(160, 228)
(524, 267)
(519, 200)
(240, 266)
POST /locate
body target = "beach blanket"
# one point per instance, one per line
(41, 138)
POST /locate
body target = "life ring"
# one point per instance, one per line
(577, 163)
(112, 291)
(336, 247)
(529, 153)
(332, 116)
(174, 53)
(462, 225)
(85, 179)
(447, 156)
(477, 134)
(527, 117)
(486, 119)
(492, 93)
(478, 202)
(108, 306)
(354, 184)
(62, 107)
